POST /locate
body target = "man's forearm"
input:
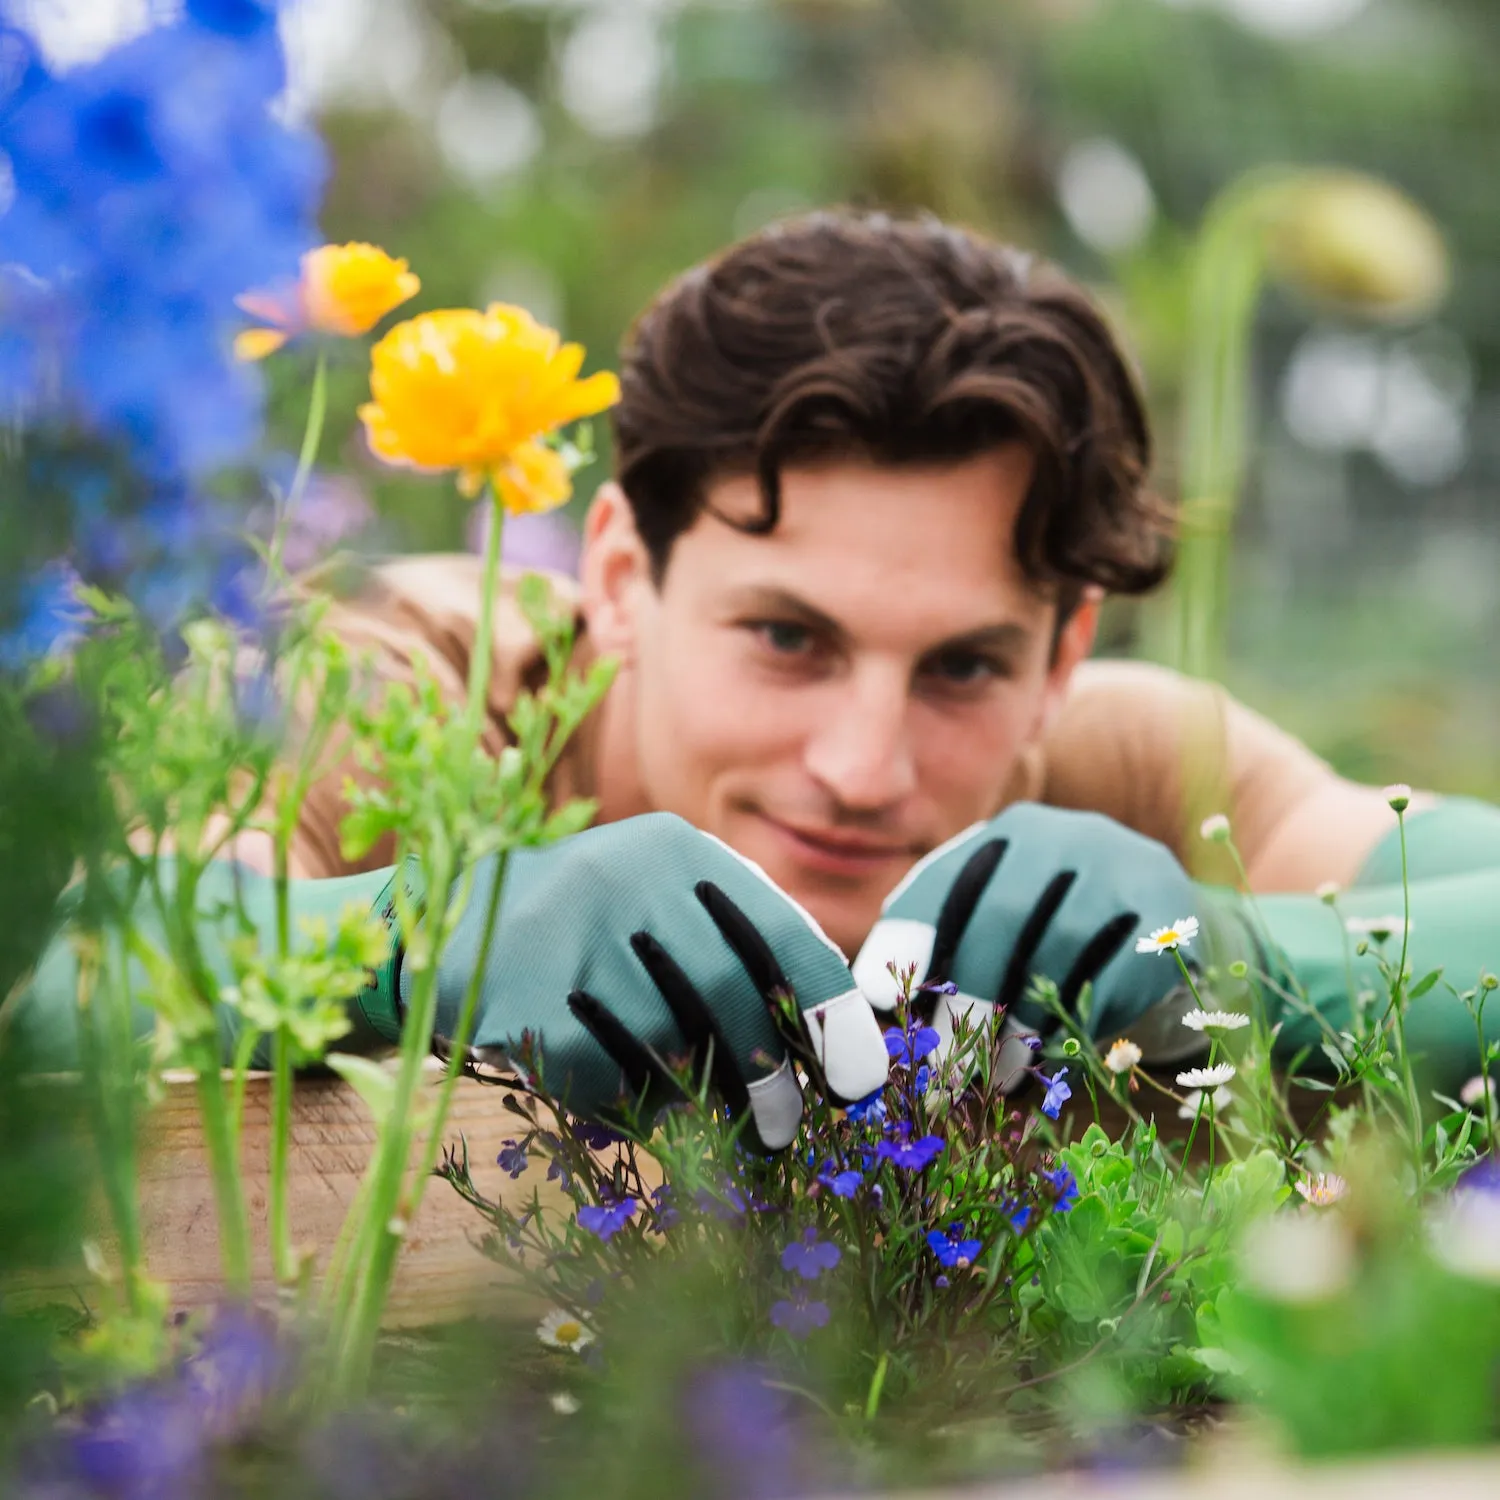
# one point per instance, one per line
(229, 895)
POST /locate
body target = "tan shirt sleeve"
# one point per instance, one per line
(1159, 751)
(426, 607)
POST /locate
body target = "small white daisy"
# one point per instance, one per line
(1324, 1189)
(1215, 829)
(564, 1330)
(1215, 1020)
(1328, 892)
(1472, 1093)
(1206, 1078)
(1178, 935)
(1398, 794)
(1218, 1101)
(1122, 1056)
(1379, 928)
(564, 1403)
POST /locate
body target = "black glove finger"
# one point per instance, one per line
(700, 1030)
(958, 908)
(645, 1077)
(1020, 966)
(1097, 952)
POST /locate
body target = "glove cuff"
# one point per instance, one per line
(379, 1003)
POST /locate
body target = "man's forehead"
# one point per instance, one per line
(853, 538)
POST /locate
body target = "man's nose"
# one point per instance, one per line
(861, 751)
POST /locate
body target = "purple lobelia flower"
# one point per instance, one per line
(1065, 1186)
(664, 1210)
(842, 1184)
(952, 1249)
(606, 1219)
(809, 1256)
(744, 1434)
(910, 1155)
(798, 1316)
(870, 1110)
(908, 1047)
(513, 1159)
(1058, 1094)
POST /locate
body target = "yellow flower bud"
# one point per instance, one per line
(1357, 242)
(344, 290)
(348, 289)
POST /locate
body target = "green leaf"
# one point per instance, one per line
(1424, 984)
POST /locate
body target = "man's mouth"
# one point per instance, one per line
(837, 853)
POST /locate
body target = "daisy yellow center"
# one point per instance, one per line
(1171, 935)
(568, 1333)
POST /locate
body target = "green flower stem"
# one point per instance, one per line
(381, 1234)
(283, 1260)
(113, 1137)
(1204, 1095)
(220, 1131)
(1227, 274)
(479, 660)
(1484, 1067)
(312, 436)
(223, 1160)
(389, 1211)
(1398, 1005)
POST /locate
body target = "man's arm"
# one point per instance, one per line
(1158, 751)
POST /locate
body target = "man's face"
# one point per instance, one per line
(837, 697)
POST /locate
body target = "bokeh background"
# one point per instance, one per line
(572, 155)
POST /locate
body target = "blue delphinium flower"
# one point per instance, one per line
(952, 1249)
(798, 1316)
(148, 189)
(1065, 1186)
(808, 1257)
(842, 1184)
(49, 617)
(151, 187)
(513, 1158)
(1058, 1094)
(606, 1219)
(910, 1155)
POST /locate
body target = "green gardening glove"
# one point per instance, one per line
(1311, 947)
(645, 941)
(616, 953)
(1038, 891)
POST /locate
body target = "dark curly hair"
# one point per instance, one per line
(847, 334)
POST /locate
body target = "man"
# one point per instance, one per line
(873, 479)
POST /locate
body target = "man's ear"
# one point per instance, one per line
(1074, 642)
(614, 569)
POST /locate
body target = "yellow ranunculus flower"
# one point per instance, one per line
(474, 391)
(344, 290)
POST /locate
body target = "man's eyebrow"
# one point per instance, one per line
(1004, 635)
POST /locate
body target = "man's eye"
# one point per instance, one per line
(783, 637)
(963, 669)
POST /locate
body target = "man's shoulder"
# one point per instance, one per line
(447, 583)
